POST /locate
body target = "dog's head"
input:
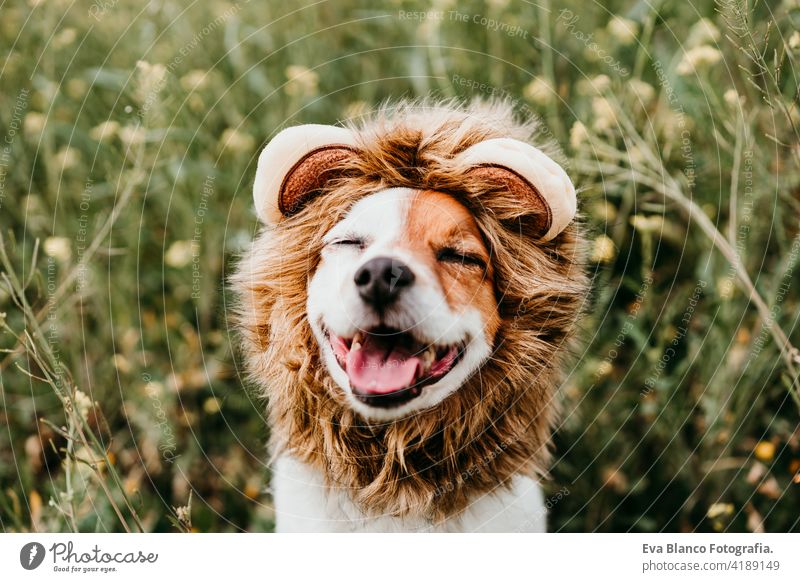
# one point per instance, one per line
(408, 302)
(403, 303)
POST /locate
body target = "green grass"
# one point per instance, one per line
(681, 412)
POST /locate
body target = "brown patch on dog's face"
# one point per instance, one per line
(443, 235)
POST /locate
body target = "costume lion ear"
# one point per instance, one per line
(296, 165)
(541, 187)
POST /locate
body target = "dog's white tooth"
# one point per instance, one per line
(355, 346)
(427, 357)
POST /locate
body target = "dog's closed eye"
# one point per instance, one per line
(456, 256)
(348, 241)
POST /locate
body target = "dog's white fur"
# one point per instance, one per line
(304, 503)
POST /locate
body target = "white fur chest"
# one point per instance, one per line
(304, 504)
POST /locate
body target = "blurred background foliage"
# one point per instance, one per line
(130, 134)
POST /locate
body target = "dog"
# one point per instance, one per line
(407, 310)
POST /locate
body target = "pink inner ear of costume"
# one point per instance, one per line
(296, 165)
(542, 187)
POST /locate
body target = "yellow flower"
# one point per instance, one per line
(151, 78)
(645, 224)
(132, 135)
(725, 288)
(179, 254)
(603, 250)
(76, 88)
(35, 501)
(183, 515)
(703, 32)
(58, 247)
(252, 489)
(121, 363)
(673, 124)
(604, 368)
(211, 405)
(697, 58)
(794, 40)
(732, 98)
(83, 403)
(635, 155)
(196, 103)
(539, 91)
(194, 80)
(764, 451)
(67, 158)
(302, 81)
(794, 468)
(718, 510)
(594, 86)
(578, 134)
(643, 91)
(604, 115)
(623, 30)
(604, 210)
(236, 141)
(34, 124)
(105, 130)
(154, 388)
(150, 73)
(64, 38)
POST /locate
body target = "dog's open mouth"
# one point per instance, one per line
(387, 367)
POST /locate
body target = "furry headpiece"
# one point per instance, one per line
(498, 423)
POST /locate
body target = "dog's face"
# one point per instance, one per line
(403, 302)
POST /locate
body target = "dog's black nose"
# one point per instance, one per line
(381, 280)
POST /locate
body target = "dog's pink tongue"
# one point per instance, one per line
(371, 369)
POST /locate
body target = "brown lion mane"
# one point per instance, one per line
(498, 424)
